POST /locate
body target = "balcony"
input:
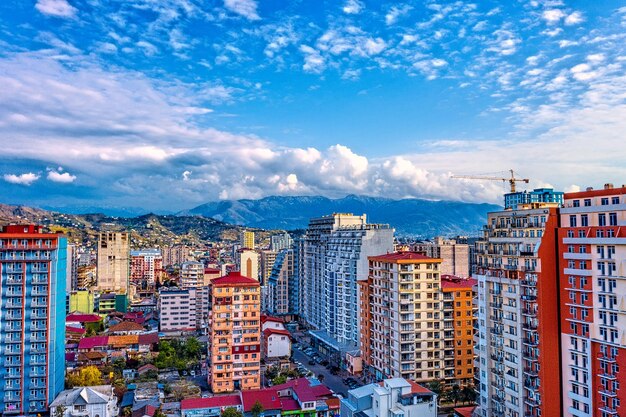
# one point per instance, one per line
(531, 342)
(608, 410)
(530, 371)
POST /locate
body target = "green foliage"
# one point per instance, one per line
(231, 412)
(455, 394)
(257, 409)
(177, 354)
(279, 379)
(60, 411)
(468, 394)
(159, 413)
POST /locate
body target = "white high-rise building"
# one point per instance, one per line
(336, 252)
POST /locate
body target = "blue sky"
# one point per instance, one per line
(166, 104)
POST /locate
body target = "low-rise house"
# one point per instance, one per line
(275, 343)
(92, 358)
(390, 398)
(209, 407)
(126, 328)
(95, 401)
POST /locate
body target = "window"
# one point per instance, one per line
(602, 219)
(584, 220)
(604, 201)
(587, 202)
(614, 200)
(612, 219)
(576, 203)
(572, 220)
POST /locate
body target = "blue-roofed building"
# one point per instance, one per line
(32, 304)
(538, 195)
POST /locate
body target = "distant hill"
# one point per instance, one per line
(410, 217)
(148, 230)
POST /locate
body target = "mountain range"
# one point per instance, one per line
(410, 216)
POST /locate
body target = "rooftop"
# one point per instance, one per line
(452, 282)
(231, 400)
(126, 326)
(267, 397)
(234, 278)
(83, 318)
(404, 257)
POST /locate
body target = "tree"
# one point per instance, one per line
(279, 379)
(468, 394)
(231, 412)
(158, 413)
(166, 356)
(193, 348)
(455, 394)
(257, 409)
(60, 411)
(436, 387)
(87, 376)
(127, 411)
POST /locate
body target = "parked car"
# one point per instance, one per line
(311, 362)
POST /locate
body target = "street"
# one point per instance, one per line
(334, 382)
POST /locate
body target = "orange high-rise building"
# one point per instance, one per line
(234, 333)
(459, 318)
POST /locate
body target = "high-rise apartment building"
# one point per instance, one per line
(191, 274)
(146, 266)
(454, 255)
(247, 239)
(335, 257)
(416, 323)
(280, 242)
(234, 333)
(592, 255)
(113, 261)
(32, 304)
(517, 344)
(268, 257)
(459, 319)
(176, 255)
(282, 292)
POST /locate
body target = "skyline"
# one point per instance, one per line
(169, 104)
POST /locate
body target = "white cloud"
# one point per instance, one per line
(62, 177)
(374, 46)
(245, 8)
(21, 179)
(574, 19)
(395, 12)
(353, 7)
(56, 8)
(186, 175)
(553, 16)
(313, 60)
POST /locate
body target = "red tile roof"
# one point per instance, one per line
(265, 318)
(148, 338)
(419, 389)
(93, 341)
(212, 402)
(234, 278)
(595, 193)
(304, 390)
(267, 397)
(403, 256)
(72, 329)
(268, 332)
(125, 326)
(83, 318)
(451, 281)
(289, 404)
(464, 411)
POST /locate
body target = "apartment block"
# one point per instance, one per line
(592, 254)
(32, 301)
(455, 255)
(235, 333)
(280, 241)
(145, 267)
(177, 309)
(268, 257)
(191, 274)
(281, 294)
(176, 255)
(248, 262)
(459, 319)
(247, 239)
(401, 318)
(113, 261)
(517, 344)
(336, 251)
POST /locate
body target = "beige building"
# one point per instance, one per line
(401, 317)
(191, 274)
(235, 334)
(454, 255)
(113, 261)
(176, 255)
(268, 258)
(177, 309)
(248, 263)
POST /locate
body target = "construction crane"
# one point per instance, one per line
(511, 180)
